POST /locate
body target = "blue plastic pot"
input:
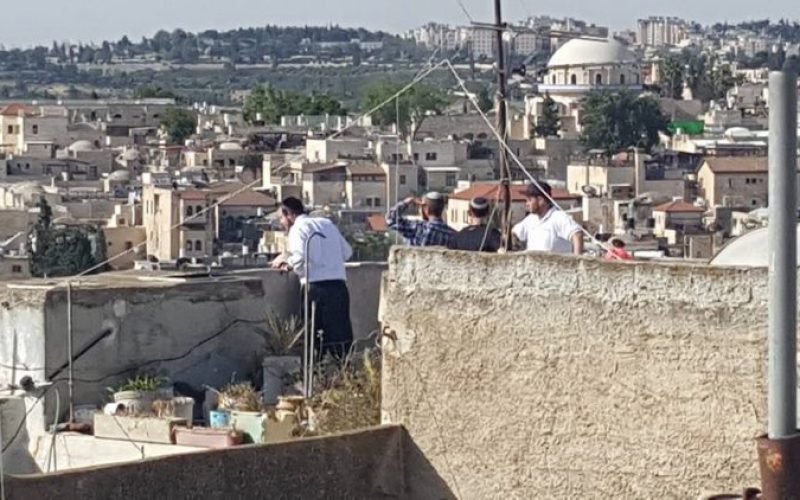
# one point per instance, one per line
(219, 419)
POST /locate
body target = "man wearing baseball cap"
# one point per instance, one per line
(546, 228)
(480, 235)
(431, 231)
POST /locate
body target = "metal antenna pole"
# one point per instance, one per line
(502, 93)
(782, 398)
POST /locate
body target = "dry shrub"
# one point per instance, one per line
(348, 398)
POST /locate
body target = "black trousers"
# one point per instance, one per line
(332, 318)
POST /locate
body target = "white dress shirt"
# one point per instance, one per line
(551, 233)
(326, 255)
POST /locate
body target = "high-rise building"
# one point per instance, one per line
(661, 31)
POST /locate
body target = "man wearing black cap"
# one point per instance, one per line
(327, 285)
(431, 231)
(480, 236)
(546, 228)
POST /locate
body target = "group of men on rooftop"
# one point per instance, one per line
(546, 228)
(317, 251)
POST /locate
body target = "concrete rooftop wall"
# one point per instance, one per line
(376, 463)
(577, 378)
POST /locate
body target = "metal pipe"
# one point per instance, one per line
(70, 355)
(313, 343)
(782, 345)
(307, 357)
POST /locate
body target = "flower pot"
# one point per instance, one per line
(219, 419)
(251, 423)
(208, 438)
(135, 402)
(276, 371)
(183, 408)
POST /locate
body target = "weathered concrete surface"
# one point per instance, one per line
(75, 451)
(376, 464)
(575, 378)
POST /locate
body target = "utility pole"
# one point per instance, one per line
(782, 443)
(502, 120)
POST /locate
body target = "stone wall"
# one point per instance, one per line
(376, 463)
(569, 377)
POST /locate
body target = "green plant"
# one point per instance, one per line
(280, 334)
(240, 397)
(142, 383)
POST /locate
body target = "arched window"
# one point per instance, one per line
(198, 246)
(188, 245)
(189, 211)
(198, 209)
(573, 80)
(622, 79)
(598, 79)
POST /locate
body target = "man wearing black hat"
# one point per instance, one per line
(546, 228)
(327, 285)
(480, 235)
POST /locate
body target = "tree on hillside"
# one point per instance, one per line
(179, 123)
(672, 76)
(61, 251)
(485, 101)
(412, 106)
(272, 104)
(617, 121)
(550, 122)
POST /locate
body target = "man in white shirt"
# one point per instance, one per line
(546, 228)
(327, 285)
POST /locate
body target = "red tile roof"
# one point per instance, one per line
(249, 199)
(737, 165)
(377, 223)
(17, 109)
(193, 195)
(679, 207)
(492, 191)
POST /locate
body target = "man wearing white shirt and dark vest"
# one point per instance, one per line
(546, 228)
(327, 285)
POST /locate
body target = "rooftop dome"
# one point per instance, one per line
(592, 51)
(81, 146)
(129, 155)
(119, 176)
(230, 146)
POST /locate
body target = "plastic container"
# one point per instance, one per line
(219, 419)
(183, 408)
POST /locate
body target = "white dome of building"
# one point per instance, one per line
(591, 52)
(119, 176)
(129, 155)
(230, 146)
(80, 146)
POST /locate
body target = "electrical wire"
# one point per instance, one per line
(504, 145)
(465, 11)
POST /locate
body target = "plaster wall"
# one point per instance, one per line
(526, 373)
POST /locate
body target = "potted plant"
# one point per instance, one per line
(137, 394)
(280, 367)
(244, 405)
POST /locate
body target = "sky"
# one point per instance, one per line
(41, 22)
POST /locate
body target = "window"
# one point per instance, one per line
(730, 182)
(450, 180)
(11, 129)
(397, 157)
(16, 269)
(636, 79)
(369, 202)
(35, 129)
(189, 211)
(231, 162)
(573, 79)
(403, 180)
(622, 79)
(378, 202)
(27, 166)
(188, 245)
(554, 79)
(598, 79)
(431, 156)
(128, 245)
(198, 209)
(198, 246)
